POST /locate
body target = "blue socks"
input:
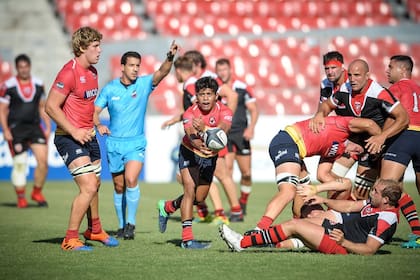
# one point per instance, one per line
(120, 205)
(132, 200)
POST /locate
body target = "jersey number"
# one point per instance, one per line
(416, 102)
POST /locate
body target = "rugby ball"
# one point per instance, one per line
(215, 138)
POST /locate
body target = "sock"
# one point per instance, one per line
(20, 193)
(219, 213)
(36, 189)
(408, 208)
(133, 198)
(237, 210)
(177, 202)
(272, 235)
(202, 209)
(119, 209)
(96, 225)
(89, 224)
(187, 233)
(245, 191)
(169, 206)
(265, 222)
(71, 234)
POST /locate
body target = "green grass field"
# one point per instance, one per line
(31, 238)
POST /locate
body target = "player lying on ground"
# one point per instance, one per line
(359, 227)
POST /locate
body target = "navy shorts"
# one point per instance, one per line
(283, 149)
(238, 145)
(201, 168)
(70, 149)
(25, 135)
(405, 148)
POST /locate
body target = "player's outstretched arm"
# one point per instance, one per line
(339, 184)
(340, 205)
(166, 66)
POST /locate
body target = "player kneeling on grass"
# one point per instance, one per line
(197, 162)
(359, 227)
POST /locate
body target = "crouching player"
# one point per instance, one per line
(197, 162)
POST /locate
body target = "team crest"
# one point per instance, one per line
(368, 210)
(212, 120)
(358, 107)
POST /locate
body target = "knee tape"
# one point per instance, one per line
(305, 180)
(20, 164)
(86, 169)
(287, 178)
(339, 169)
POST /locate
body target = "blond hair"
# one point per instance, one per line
(83, 37)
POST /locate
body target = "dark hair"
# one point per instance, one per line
(184, 63)
(129, 54)
(222, 61)
(406, 60)
(333, 55)
(392, 190)
(197, 57)
(206, 82)
(22, 57)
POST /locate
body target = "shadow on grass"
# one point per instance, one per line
(267, 250)
(383, 252)
(177, 242)
(175, 218)
(55, 240)
(396, 241)
(14, 205)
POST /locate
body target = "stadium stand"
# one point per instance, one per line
(204, 17)
(275, 46)
(413, 9)
(114, 18)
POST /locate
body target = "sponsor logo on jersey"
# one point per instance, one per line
(59, 85)
(91, 93)
(334, 149)
(82, 79)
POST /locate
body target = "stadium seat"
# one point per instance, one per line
(413, 8)
(114, 18)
